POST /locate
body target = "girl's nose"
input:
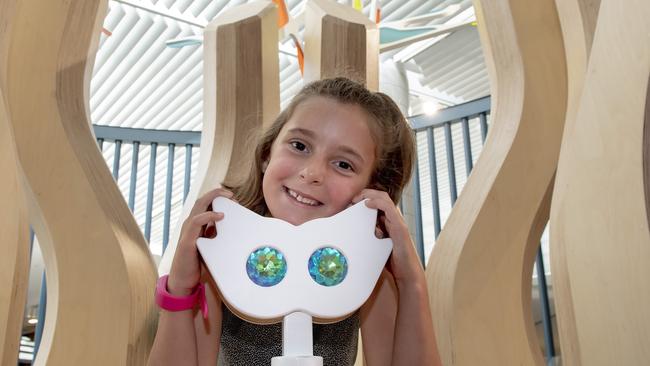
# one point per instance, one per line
(313, 173)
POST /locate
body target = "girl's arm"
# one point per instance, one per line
(208, 333)
(183, 337)
(378, 322)
(175, 342)
(414, 326)
(414, 340)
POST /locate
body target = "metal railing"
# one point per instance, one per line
(467, 115)
(154, 138)
(477, 112)
(465, 122)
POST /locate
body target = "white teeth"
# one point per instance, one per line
(302, 199)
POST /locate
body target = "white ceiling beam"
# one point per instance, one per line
(164, 12)
(435, 31)
(409, 52)
(423, 19)
(415, 88)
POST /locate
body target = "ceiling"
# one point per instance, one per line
(138, 81)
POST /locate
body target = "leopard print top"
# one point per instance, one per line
(248, 344)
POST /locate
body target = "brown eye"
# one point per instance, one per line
(344, 165)
(298, 145)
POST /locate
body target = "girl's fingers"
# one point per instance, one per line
(205, 217)
(389, 215)
(403, 258)
(199, 222)
(386, 206)
(369, 194)
(210, 230)
(381, 225)
(359, 197)
(379, 233)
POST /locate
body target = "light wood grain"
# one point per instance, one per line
(14, 236)
(14, 224)
(340, 41)
(480, 268)
(241, 95)
(646, 153)
(100, 274)
(600, 205)
(578, 20)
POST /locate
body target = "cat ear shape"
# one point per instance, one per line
(357, 218)
(245, 217)
(241, 232)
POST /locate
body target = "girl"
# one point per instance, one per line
(335, 144)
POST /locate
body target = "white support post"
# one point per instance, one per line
(297, 342)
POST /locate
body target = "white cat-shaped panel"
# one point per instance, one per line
(241, 232)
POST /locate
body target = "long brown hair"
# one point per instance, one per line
(392, 136)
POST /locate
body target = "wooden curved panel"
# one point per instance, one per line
(14, 225)
(646, 153)
(578, 20)
(100, 274)
(241, 94)
(601, 208)
(340, 41)
(14, 236)
(480, 269)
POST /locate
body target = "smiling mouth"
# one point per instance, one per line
(300, 199)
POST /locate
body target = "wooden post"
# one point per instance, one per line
(340, 41)
(99, 270)
(14, 237)
(14, 225)
(578, 20)
(600, 205)
(241, 94)
(480, 269)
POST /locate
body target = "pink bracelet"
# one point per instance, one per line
(169, 302)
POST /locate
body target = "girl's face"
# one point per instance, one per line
(323, 156)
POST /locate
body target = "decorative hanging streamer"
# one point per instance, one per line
(375, 9)
(358, 5)
(283, 15)
(107, 32)
(301, 55)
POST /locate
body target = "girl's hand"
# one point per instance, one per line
(186, 266)
(404, 263)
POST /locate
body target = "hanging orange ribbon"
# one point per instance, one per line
(301, 55)
(283, 14)
(377, 6)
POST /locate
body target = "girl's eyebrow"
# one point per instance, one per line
(302, 131)
(343, 148)
(351, 151)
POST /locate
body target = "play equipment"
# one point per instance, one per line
(268, 270)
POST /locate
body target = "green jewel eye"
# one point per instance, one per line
(266, 266)
(328, 266)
